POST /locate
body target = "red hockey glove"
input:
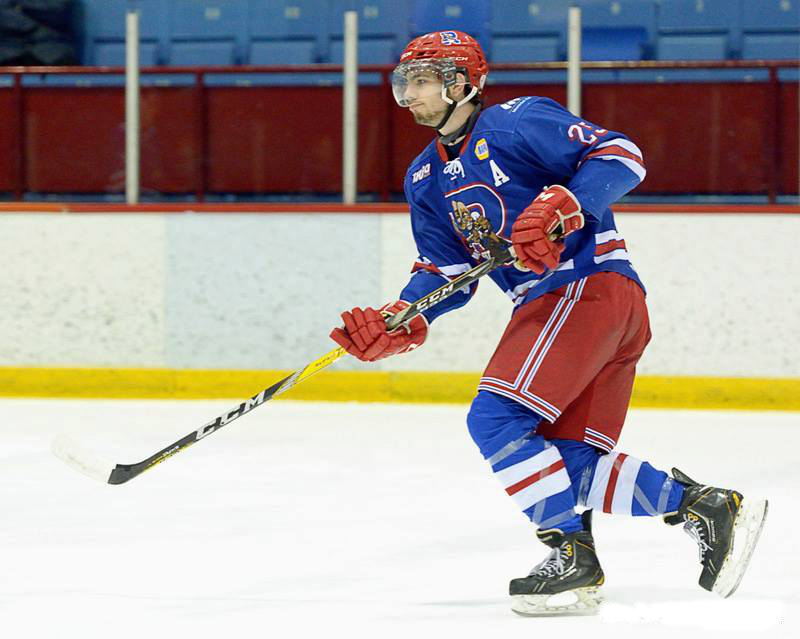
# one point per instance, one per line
(365, 336)
(554, 212)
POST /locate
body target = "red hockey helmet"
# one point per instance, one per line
(445, 53)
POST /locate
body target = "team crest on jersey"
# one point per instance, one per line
(421, 174)
(481, 149)
(449, 37)
(473, 224)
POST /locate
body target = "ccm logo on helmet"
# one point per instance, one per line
(449, 37)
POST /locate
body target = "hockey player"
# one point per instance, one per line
(553, 398)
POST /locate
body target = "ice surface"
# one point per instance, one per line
(356, 520)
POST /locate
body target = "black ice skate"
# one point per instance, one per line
(566, 582)
(726, 528)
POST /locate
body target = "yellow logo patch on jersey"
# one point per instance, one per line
(481, 149)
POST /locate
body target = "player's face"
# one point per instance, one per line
(424, 96)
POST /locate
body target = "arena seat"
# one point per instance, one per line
(528, 32)
(770, 29)
(771, 46)
(113, 54)
(470, 16)
(210, 32)
(202, 53)
(382, 29)
(692, 47)
(282, 52)
(86, 80)
(379, 51)
(285, 31)
(697, 30)
(105, 31)
(207, 32)
(701, 76)
(617, 29)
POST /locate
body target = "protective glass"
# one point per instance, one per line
(418, 79)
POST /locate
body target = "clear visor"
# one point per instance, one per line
(419, 79)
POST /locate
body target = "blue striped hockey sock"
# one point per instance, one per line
(530, 469)
(620, 484)
(535, 477)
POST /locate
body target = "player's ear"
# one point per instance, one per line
(458, 91)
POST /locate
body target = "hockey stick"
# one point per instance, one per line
(498, 253)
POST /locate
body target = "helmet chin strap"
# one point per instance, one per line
(453, 105)
(464, 129)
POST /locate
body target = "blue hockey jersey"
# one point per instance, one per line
(514, 151)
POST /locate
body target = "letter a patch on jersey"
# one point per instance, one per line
(500, 178)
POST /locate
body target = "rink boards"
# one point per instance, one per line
(218, 301)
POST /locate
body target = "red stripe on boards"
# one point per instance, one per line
(612, 482)
(552, 468)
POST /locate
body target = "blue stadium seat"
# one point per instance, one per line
(526, 49)
(470, 16)
(282, 52)
(380, 51)
(771, 46)
(382, 29)
(771, 15)
(770, 29)
(789, 75)
(202, 53)
(697, 29)
(321, 79)
(692, 47)
(112, 54)
(591, 76)
(617, 29)
(699, 76)
(92, 80)
(285, 31)
(529, 31)
(105, 18)
(207, 32)
(105, 31)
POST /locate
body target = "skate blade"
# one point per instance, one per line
(746, 529)
(581, 601)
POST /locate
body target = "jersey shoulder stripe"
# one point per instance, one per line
(622, 150)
